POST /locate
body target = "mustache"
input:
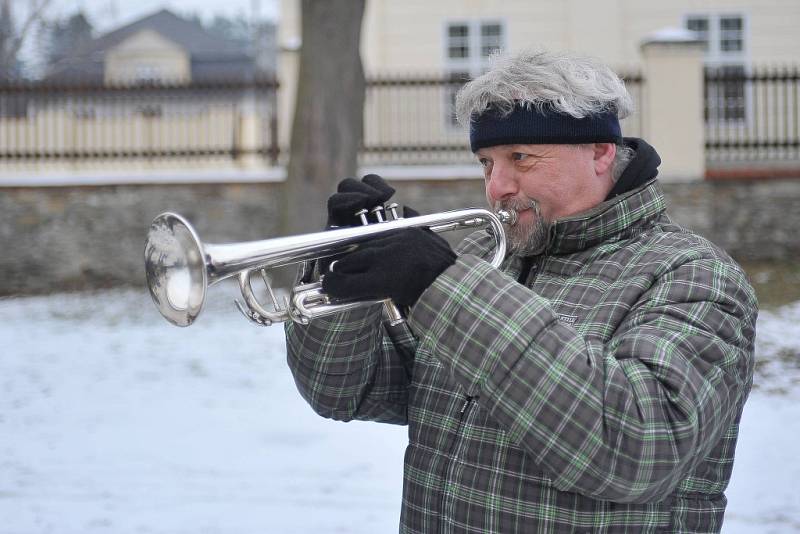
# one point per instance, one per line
(517, 204)
(530, 238)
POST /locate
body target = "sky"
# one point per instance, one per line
(108, 14)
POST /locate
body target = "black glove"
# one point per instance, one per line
(352, 196)
(399, 265)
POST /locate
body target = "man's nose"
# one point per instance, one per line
(502, 184)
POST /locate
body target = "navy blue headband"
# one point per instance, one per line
(528, 126)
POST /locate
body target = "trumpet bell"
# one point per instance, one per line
(175, 268)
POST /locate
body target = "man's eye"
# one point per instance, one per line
(484, 162)
(518, 156)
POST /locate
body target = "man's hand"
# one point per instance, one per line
(352, 196)
(399, 265)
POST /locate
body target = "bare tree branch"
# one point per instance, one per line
(9, 49)
(37, 10)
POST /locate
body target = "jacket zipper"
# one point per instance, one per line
(452, 455)
(466, 404)
(533, 271)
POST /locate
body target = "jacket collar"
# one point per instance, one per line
(640, 170)
(611, 220)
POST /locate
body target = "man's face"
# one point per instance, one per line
(543, 183)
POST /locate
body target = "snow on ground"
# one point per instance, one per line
(113, 421)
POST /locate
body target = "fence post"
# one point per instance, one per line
(246, 138)
(289, 43)
(672, 103)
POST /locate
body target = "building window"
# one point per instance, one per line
(458, 41)
(468, 46)
(731, 34)
(146, 73)
(491, 39)
(725, 43)
(699, 25)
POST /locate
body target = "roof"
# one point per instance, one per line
(213, 58)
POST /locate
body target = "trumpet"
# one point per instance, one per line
(180, 267)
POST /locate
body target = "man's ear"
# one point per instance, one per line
(604, 154)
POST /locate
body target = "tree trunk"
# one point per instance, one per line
(328, 121)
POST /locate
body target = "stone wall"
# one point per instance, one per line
(65, 238)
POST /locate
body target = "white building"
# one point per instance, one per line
(418, 36)
(453, 39)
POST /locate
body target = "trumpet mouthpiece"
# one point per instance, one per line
(508, 217)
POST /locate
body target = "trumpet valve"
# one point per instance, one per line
(392, 210)
(362, 214)
(378, 212)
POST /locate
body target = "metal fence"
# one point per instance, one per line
(411, 120)
(43, 122)
(752, 116)
(407, 120)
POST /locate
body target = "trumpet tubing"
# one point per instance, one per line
(180, 267)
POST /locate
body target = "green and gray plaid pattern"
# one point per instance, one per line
(604, 397)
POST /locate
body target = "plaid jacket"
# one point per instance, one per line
(603, 397)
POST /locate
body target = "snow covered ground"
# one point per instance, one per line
(113, 421)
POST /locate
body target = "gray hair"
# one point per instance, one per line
(624, 156)
(572, 84)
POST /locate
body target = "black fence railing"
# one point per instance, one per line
(45, 122)
(752, 115)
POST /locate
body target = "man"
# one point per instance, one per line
(595, 382)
